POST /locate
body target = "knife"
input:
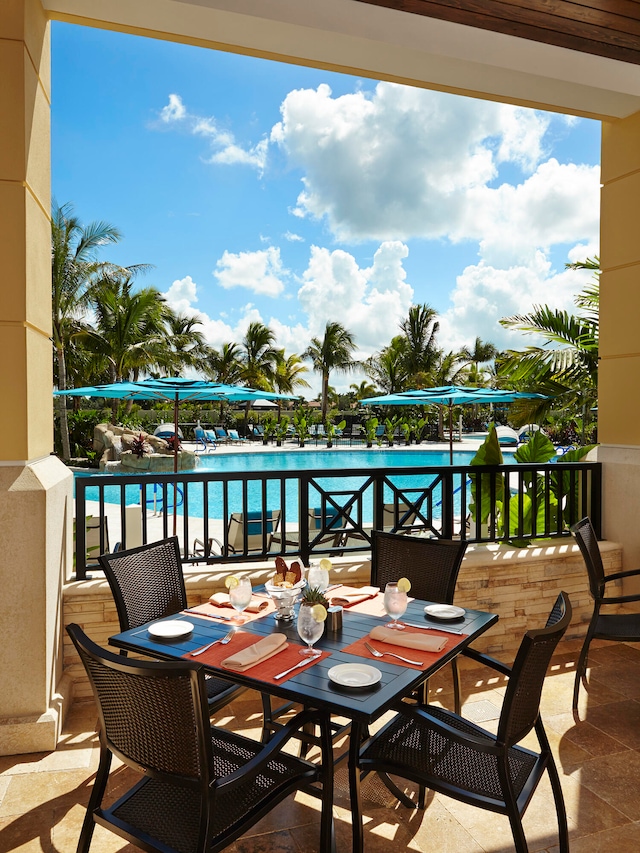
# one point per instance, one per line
(297, 666)
(433, 627)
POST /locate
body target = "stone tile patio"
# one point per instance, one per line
(43, 796)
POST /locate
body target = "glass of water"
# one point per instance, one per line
(240, 596)
(395, 604)
(309, 629)
(317, 577)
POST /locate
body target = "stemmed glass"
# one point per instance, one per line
(240, 596)
(395, 604)
(309, 629)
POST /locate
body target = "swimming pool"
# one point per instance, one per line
(212, 494)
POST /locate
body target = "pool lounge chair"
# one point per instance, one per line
(259, 531)
(205, 437)
(235, 438)
(507, 436)
(321, 530)
(221, 435)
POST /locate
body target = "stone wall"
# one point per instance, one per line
(520, 585)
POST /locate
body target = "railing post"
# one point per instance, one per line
(447, 504)
(80, 544)
(595, 498)
(303, 519)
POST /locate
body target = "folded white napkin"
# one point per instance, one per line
(256, 653)
(221, 599)
(424, 642)
(348, 596)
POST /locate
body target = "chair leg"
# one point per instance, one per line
(398, 794)
(581, 667)
(561, 812)
(457, 692)
(99, 785)
(327, 832)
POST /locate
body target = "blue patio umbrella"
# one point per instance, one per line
(451, 395)
(178, 390)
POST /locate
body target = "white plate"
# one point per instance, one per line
(444, 611)
(271, 589)
(171, 630)
(354, 675)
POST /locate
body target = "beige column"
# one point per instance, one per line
(619, 373)
(35, 488)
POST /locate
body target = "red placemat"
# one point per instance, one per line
(265, 670)
(358, 648)
(212, 610)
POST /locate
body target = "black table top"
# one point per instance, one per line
(311, 686)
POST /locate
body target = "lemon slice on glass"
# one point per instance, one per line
(231, 582)
(319, 612)
(404, 584)
(325, 565)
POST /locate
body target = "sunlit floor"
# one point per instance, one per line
(43, 796)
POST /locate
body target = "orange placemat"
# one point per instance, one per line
(373, 606)
(264, 671)
(211, 610)
(429, 658)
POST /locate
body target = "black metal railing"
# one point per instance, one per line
(235, 517)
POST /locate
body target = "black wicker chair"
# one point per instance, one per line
(619, 627)
(147, 583)
(432, 566)
(202, 787)
(440, 750)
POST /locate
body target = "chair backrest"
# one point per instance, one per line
(521, 704)
(199, 433)
(153, 716)
(233, 433)
(147, 582)
(220, 432)
(587, 541)
(432, 565)
(405, 517)
(316, 517)
(257, 522)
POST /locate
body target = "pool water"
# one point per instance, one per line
(285, 460)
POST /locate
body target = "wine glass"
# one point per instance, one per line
(395, 604)
(309, 630)
(317, 577)
(240, 596)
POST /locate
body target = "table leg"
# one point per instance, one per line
(357, 733)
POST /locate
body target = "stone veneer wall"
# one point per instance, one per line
(518, 584)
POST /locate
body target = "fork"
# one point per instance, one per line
(223, 642)
(378, 654)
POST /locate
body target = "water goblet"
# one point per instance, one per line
(317, 577)
(395, 604)
(240, 597)
(309, 629)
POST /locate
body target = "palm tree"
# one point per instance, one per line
(388, 368)
(420, 330)
(259, 359)
(184, 345)
(73, 265)
(567, 372)
(333, 352)
(289, 376)
(363, 390)
(224, 365)
(481, 353)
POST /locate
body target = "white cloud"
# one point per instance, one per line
(484, 294)
(293, 238)
(180, 296)
(261, 271)
(400, 162)
(224, 148)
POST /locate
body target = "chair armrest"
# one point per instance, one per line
(274, 746)
(616, 576)
(200, 549)
(619, 599)
(487, 660)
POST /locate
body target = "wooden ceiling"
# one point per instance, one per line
(609, 28)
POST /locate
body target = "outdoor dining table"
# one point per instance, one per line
(310, 685)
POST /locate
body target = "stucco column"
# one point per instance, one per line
(35, 488)
(619, 372)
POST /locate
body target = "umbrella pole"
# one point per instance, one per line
(450, 435)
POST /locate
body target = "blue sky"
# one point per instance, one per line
(260, 190)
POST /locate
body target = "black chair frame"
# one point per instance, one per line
(202, 787)
(147, 583)
(432, 566)
(442, 751)
(617, 627)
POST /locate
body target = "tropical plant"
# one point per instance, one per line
(334, 352)
(388, 368)
(301, 421)
(363, 390)
(421, 354)
(74, 263)
(481, 353)
(330, 429)
(370, 427)
(259, 356)
(183, 346)
(565, 368)
(288, 376)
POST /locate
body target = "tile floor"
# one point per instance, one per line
(43, 796)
